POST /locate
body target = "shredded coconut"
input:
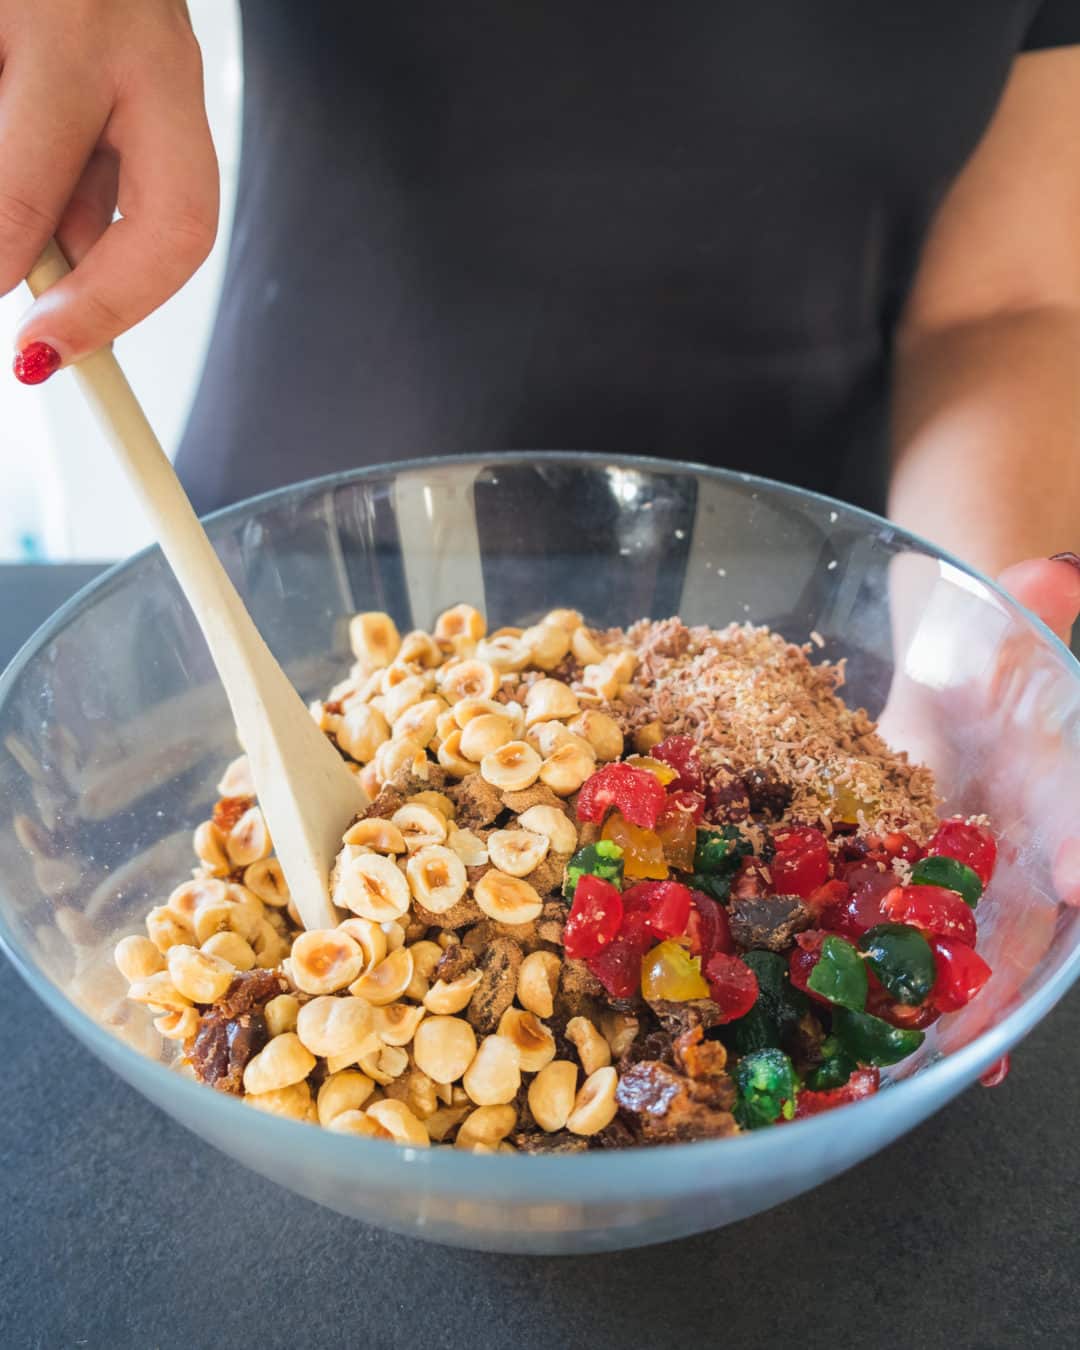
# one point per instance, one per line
(752, 699)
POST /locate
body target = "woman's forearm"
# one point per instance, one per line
(986, 436)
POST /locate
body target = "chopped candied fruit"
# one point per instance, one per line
(642, 850)
(670, 972)
(637, 795)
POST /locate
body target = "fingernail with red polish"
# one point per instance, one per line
(35, 363)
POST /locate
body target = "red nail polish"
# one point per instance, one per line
(35, 363)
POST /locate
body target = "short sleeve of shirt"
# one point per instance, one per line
(1056, 24)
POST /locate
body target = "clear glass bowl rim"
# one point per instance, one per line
(603, 1174)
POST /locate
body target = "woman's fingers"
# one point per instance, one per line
(91, 208)
(168, 199)
(1048, 586)
(41, 157)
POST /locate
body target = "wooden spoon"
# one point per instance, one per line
(307, 794)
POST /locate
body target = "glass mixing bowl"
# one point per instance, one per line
(114, 730)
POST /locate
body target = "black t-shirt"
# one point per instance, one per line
(683, 229)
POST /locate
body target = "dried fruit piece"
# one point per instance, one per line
(861, 909)
(973, 845)
(618, 967)
(594, 917)
(767, 1088)
(708, 927)
(677, 831)
(870, 1040)
(670, 972)
(642, 850)
(961, 973)
(718, 855)
(932, 909)
(603, 859)
(861, 1083)
(637, 795)
(665, 904)
(776, 1010)
(835, 1069)
(681, 753)
(664, 773)
(732, 985)
(801, 863)
(802, 959)
(688, 803)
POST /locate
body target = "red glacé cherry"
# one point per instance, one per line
(594, 919)
(996, 1074)
(862, 909)
(901, 845)
(970, 844)
(692, 803)
(708, 927)
(933, 909)
(833, 895)
(961, 973)
(636, 794)
(665, 904)
(801, 863)
(732, 983)
(618, 966)
(681, 753)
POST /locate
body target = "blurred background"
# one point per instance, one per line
(63, 497)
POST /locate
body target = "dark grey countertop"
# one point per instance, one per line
(120, 1229)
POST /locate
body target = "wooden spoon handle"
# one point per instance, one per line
(297, 772)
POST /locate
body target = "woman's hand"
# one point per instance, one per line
(101, 108)
(1050, 588)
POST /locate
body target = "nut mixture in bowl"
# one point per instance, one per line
(612, 888)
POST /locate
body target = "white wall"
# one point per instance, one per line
(60, 494)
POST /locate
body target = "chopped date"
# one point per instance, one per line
(537, 795)
(768, 922)
(232, 1031)
(769, 795)
(616, 1135)
(680, 1017)
(658, 1046)
(251, 991)
(699, 1058)
(548, 877)
(386, 802)
(552, 921)
(455, 962)
(664, 1106)
(477, 802)
(750, 880)
(499, 966)
(727, 801)
(562, 1141)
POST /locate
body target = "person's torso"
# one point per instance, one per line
(683, 229)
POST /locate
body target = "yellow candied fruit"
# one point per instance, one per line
(670, 972)
(845, 807)
(678, 838)
(656, 767)
(643, 850)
